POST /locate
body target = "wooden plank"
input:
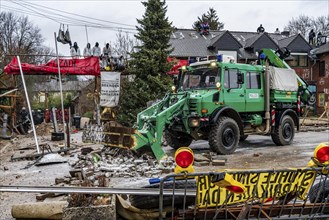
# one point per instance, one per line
(6, 106)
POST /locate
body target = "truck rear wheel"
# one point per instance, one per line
(224, 136)
(177, 140)
(285, 132)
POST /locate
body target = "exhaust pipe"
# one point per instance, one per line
(267, 101)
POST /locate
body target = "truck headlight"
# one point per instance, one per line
(173, 89)
(194, 122)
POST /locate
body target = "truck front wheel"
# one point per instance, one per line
(285, 132)
(224, 136)
(177, 140)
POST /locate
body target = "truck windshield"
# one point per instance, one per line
(200, 78)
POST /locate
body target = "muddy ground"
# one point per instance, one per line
(257, 152)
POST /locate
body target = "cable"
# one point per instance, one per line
(67, 21)
(40, 7)
(25, 12)
(84, 16)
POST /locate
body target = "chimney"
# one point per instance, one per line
(285, 33)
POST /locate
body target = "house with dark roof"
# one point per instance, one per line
(243, 46)
(320, 74)
(78, 90)
(188, 44)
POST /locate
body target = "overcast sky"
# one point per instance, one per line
(236, 15)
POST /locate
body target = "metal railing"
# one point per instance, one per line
(269, 194)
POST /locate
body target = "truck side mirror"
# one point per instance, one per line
(240, 78)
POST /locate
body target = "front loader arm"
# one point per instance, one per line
(151, 124)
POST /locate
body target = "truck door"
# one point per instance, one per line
(254, 92)
(234, 94)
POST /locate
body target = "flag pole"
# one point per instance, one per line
(61, 90)
(28, 105)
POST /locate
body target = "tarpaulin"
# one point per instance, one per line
(283, 79)
(177, 64)
(83, 66)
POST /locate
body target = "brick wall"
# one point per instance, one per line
(322, 82)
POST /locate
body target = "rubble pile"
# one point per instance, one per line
(43, 129)
(97, 167)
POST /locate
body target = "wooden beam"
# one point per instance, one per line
(6, 106)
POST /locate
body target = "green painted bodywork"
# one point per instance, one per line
(276, 61)
(186, 103)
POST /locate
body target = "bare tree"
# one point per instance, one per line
(45, 55)
(124, 45)
(321, 24)
(303, 24)
(20, 36)
(300, 25)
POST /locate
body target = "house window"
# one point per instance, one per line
(298, 61)
(231, 79)
(253, 80)
(322, 68)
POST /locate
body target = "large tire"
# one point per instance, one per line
(177, 140)
(319, 192)
(224, 136)
(285, 132)
(152, 202)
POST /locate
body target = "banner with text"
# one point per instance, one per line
(110, 89)
(259, 185)
(81, 66)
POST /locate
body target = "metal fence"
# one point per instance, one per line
(269, 194)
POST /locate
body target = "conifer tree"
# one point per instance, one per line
(212, 19)
(149, 62)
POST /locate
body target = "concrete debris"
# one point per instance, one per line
(43, 129)
(43, 196)
(201, 163)
(51, 159)
(92, 165)
(200, 157)
(92, 213)
(218, 162)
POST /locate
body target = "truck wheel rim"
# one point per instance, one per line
(287, 131)
(228, 137)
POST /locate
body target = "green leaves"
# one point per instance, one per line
(211, 17)
(149, 63)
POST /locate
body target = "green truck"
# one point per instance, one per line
(221, 102)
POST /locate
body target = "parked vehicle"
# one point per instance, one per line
(223, 102)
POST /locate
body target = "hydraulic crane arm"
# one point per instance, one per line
(276, 61)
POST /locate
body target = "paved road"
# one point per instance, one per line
(260, 152)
